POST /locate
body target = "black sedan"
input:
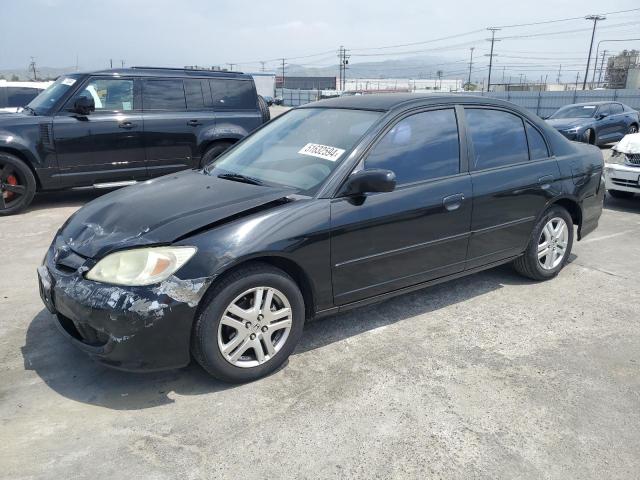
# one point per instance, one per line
(330, 206)
(595, 123)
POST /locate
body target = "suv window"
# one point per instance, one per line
(237, 94)
(420, 147)
(498, 138)
(537, 146)
(19, 96)
(615, 108)
(194, 94)
(163, 94)
(109, 94)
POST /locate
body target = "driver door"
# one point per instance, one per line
(106, 145)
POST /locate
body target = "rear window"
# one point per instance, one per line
(193, 91)
(163, 95)
(233, 94)
(615, 108)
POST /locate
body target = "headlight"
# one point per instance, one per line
(572, 130)
(140, 266)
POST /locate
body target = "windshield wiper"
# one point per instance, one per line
(237, 177)
(28, 108)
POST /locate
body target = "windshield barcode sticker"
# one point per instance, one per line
(322, 151)
(68, 81)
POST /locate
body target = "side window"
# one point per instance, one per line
(420, 147)
(237, 94)
(498, 138)
(193, 92)
(163, 95)
(20, 96)
(615, 108)
(109, 94)
(537, 146)
(604, 109)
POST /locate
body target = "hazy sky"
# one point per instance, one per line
(187, 32)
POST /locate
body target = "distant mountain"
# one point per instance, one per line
(44, 73)
(414, 67)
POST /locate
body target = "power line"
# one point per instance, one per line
(565, 19)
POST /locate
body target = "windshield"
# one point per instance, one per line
(299, 149)
(47, 99)
(575, 111)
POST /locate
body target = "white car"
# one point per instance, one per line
(622, 170)
(15, 95)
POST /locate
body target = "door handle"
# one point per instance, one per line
(127, 125)
(545, 181)
(453, 202)
(193, 123)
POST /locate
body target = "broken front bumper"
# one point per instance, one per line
(622, 177)
(130, 328)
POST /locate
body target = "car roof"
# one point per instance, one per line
(167, 72)
(389, 101)
(602, 102)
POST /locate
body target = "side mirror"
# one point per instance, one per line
(84, 105)
(600, 116)
(369, 181)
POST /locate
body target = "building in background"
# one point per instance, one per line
(622, 70)
(306, 83)
(372, 85)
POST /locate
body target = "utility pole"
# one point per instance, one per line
(577, 80)
(32, 67)
(283, 77)
(262, 66)
(470, 65)
(559, 74)
(601, 67)
(231, 65)
(343, 62)
(111, 63)
(122, 63)
(596, 19)
(493, 31)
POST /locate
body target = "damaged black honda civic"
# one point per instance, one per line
(332, 205)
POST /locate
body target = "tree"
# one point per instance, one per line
(15, 78)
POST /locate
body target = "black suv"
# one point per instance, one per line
(116, 127)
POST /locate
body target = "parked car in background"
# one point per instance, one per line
(330, 206)
(622, 170)
(15, 95)
(116, 127)
(596, 123)
(268, 99)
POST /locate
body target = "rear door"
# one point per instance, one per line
(170, 130)
(419, 231)
(619, 121)
(106, 145)
(513, 178)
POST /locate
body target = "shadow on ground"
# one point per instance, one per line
(72, 374)
(626, 205)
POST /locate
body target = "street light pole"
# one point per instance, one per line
(470, 64)
(596, 19)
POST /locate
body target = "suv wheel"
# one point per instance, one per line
(249, 324)
(17, 184)
(264, 109)
(213, 152)
(549, 246)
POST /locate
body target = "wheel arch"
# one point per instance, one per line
(290, 267)
(207, 144)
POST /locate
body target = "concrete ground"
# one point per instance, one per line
(490, 376)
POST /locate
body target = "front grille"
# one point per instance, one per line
(623, 182)
(633, 158)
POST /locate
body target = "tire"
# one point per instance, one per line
(213, 152)
(620, 194)
(633, 128)
(212, 333)
(264, 109)
(529, 264)
(17, 185)
(590, 136)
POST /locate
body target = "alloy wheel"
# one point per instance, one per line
(552, 244)
(12, 187)
(254, 327)
(633, 129)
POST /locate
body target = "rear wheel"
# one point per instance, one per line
(213, 152)
(249, 324)
(620, 194)
(264, 109)
(17, 184)
(549, 246)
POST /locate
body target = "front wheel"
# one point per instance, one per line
(249, 324)
(17, 184)
(632, 129)
(549, 246)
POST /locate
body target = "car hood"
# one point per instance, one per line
(564, 123)
(162, 210)
(630, 144)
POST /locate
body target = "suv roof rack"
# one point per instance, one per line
(188, 69)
